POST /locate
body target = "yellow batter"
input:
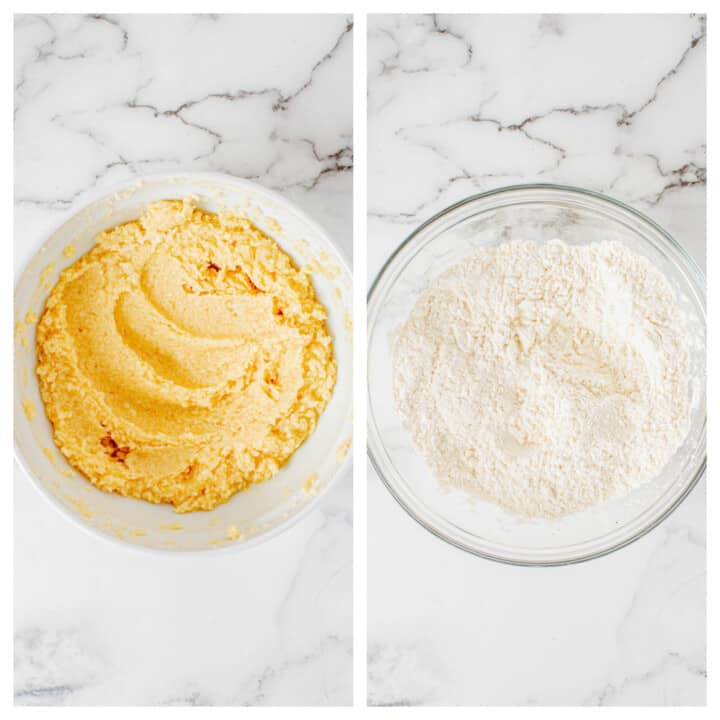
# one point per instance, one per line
(183, 358)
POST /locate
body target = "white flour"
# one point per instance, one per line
(545, 378)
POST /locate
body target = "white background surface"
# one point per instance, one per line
(103, 99)
(458, 105)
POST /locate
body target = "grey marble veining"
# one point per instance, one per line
(99, 100)
(462, 104)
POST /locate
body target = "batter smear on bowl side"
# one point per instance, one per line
(183, 358)
(545, 378)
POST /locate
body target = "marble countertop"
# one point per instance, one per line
(462, 104)
(101, 99)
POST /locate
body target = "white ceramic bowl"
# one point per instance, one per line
(263, 510)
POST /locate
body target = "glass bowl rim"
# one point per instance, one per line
(601, 199)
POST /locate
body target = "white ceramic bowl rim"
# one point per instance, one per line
(98, 195)
(509, 190)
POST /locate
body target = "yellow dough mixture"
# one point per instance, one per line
(183, 358)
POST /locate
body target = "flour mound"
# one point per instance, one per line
(545, 378)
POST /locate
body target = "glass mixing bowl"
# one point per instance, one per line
(539, 213)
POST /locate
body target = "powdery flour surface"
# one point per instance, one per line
(545, 378)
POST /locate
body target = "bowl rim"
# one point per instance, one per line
(371, 297)
(98, 195)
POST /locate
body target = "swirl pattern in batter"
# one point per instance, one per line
(183, 358)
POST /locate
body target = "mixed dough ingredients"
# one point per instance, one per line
(184, 358)
(545, 378)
